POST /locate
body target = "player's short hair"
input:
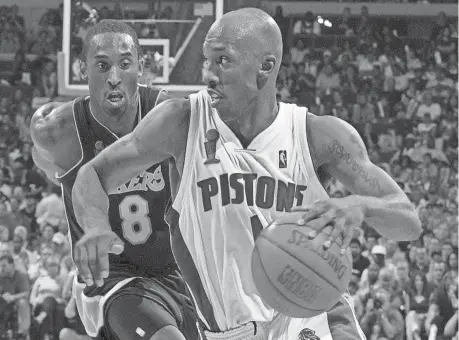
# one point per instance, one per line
(109, 26)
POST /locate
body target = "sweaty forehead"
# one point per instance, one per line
(113, 43)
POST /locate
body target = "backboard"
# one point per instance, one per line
(170, 33)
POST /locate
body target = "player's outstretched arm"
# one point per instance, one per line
(162, 134)
(376, 199)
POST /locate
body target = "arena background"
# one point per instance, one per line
(389, 68)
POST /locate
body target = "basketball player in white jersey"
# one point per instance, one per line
(242, 160)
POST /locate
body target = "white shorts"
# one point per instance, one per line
(91, 309)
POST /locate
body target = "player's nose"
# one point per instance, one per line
(209, 77)
(114, 77)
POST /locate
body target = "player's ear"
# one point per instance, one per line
(83, 70)
(267, 67)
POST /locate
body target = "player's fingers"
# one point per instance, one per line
(347, 236)
(93, 263)
(320, 223)
(116, 246)
(310, 214)
(96, 265)
(337, 232)
(83, 268)
(102, 254)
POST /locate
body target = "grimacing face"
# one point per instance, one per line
(113, 69)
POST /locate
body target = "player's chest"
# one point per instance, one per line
(268, 179)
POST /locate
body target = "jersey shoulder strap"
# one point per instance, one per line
(149, 97)
(79, 108)
(85, 133)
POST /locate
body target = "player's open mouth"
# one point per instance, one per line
(115, 97)
(215, 96)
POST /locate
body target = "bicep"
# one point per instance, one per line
(344, 156)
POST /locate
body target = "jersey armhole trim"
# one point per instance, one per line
(190, 151)
(159, 96)
(308, 154)
(60, 177)
(311, 150)
(312, 153)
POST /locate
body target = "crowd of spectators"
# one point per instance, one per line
(402, 99)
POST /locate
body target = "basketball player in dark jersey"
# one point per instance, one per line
(142, 294)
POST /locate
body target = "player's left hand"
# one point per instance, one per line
(335, 213)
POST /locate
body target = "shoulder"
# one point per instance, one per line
(51, 123)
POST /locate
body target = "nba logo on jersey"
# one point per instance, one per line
(282, 159)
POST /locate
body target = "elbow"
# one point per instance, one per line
(410, 227)
(414, 225)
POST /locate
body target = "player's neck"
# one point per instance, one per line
(255, 120)
(120, 125)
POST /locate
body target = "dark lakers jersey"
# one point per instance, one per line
(136, 211)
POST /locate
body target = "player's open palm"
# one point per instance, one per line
(91, 254)
(335, 217)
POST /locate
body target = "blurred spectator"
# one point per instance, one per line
(327, 81)
(307, 26)
(363, 111)
(298, 52)
(417, 307)
(15, 289)
(381, 320)
(441, 22)
(443, 304)
(345, 25)
(435, 274)
(359, 262)
(428, 107)
(51, 207)
(365, 27)
(38, 268)
(46, 301)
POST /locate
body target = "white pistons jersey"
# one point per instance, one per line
(227, 194)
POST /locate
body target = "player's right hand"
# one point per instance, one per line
(91, 254)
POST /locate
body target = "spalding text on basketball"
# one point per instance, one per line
(299, 239)
(261, 191)
(298, 284)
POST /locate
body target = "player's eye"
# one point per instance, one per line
(101, 66)
(125, 64)
(223, 60)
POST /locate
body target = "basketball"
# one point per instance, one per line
(295, 275)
